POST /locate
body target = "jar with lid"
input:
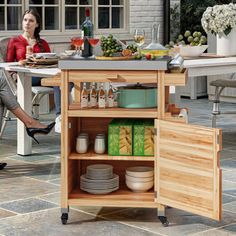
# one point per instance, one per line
(100, 144)
(81, 144)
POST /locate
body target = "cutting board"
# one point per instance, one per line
(115, 58)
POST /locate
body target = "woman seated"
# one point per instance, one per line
(16, 49)
(33, 127)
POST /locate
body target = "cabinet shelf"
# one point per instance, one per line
(123, 196)
(94, 156)
(76, 111)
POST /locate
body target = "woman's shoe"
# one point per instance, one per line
(32, 131)
(2, 165)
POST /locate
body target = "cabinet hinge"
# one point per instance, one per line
(155, 194)
(155, 131)
(69, 125)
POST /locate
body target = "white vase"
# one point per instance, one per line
(226, 45)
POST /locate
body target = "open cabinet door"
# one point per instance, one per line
(188, 168)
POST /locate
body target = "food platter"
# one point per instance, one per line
(38, 63)
(42, 61)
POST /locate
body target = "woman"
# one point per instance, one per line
(16, 49)
(33, 127)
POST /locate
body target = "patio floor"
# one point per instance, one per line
(30, 191)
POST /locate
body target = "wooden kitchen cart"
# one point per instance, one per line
(186, 164)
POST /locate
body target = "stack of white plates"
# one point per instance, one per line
(139, 178)
(99, 179)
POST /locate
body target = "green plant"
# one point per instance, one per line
(192, 10)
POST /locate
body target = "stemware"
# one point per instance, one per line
(139, 38)
(77, 42)
(93, 40)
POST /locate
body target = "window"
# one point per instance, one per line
(110, 14)
(65, 15)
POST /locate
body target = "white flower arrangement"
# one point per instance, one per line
(219, 19)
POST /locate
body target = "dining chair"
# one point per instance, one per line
(220, 85)
(38, 91)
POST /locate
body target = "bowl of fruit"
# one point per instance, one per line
(192, 51)
(189, 45)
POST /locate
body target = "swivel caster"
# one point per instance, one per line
(64, 218)
(164, 220)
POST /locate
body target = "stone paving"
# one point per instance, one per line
(30, 192)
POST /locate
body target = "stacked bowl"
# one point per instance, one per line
(139, 178)
(99, 179)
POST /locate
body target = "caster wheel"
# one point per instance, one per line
(64, 218)
(164, 220)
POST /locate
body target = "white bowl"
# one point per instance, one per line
(139, 186)
(139, 179)
(192, 51)
(140, 171)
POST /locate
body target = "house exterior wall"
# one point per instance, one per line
(142, 14)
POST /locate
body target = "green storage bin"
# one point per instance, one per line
(120, 137)
(143, 138)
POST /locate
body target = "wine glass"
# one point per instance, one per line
(77, 42)
(93, 40)
(139, 38)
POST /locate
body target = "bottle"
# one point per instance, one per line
(87, 30)
(84, 97)
(93, 96)
(101, 97)
(110, 97)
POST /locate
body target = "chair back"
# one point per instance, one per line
(3, 48)
(3, 54)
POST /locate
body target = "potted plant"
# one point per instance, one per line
(220, 20)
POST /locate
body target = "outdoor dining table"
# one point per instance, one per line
(196, 67)
(24, 98)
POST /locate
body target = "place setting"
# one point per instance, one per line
(40, 60)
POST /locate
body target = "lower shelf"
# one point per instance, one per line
(120, 198)
(90, 155)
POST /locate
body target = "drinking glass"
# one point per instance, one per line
(77, 42)
(139, 38)
(93, 40)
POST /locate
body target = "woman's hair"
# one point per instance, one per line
(34, 12)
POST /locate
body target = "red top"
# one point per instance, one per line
(16, 48)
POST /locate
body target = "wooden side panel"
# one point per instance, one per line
(188, 169)
(177, 79)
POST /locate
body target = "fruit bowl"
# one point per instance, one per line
(192, 51)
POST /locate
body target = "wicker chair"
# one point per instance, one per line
(38, 91)
(220, 85)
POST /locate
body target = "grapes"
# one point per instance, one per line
(132, 47)
(109, 46)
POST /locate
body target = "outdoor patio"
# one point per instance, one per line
(30, 191)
